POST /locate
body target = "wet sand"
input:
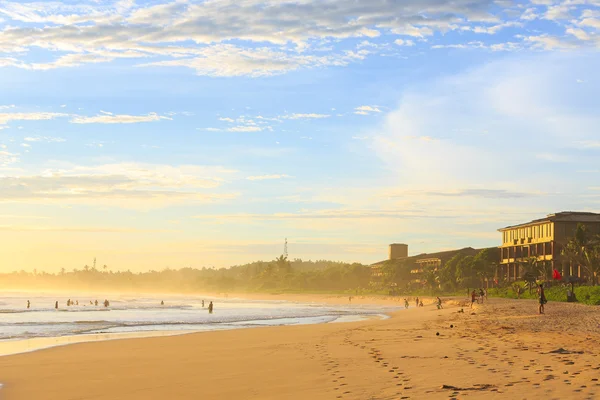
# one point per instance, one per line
(504, 350)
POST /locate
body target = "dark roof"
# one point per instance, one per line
(565, 216)
(442, 255)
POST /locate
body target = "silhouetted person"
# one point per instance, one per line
(421, 303)
(28, 304)
(439, 303)
(417, 302)
(202, 303)
(162, 303)
(106, 303)
(69, 303)
(481, 294)
(56, 305)
(542, 298)
(210, 308)
(473, 297)
(405, 303)
(96, 303)
(77, 303)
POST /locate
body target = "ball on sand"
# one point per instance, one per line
(437, 334)
(451, 326)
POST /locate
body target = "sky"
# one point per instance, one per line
(154, 134)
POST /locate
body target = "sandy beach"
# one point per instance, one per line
(501, 349)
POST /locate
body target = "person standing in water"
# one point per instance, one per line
(162, 303)
(202, 303)
(96, 303)
(56, 305)
(28, 304)
(210, 308)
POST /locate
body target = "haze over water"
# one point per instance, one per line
(144, 314)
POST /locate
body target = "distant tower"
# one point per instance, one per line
(398, 250)
(285, 251)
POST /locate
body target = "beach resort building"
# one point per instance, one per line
(420, 263)
(543, 239)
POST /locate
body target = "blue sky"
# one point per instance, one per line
(196, 133)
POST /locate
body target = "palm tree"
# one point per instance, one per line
(530, 272)
(584, 250)
(431, 278)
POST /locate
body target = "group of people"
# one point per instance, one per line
(478, 296)
(418, 303)
(210, 307)
(75, 303)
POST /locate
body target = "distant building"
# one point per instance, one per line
(397, 251)
(421, 262)
(544, 239)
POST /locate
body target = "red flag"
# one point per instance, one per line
(556, 275)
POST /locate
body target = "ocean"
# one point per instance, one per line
(42, 325)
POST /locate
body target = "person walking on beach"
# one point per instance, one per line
(542, 298)
(96, 303)
(28, 304)
(202, 303)
(473, 297)
(162, 303)
(417, 302)
(210, 308)
(405, 303)
(439, 303)
(481, 295)
(56, 305)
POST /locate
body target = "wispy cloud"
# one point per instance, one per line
(118, 119)
(267, 177)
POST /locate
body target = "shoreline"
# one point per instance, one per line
(16, 345)
(501, 349)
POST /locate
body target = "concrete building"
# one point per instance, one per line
(544, 239)
(397, 251)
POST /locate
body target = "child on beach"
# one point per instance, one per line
(473, 297)
(405, 303)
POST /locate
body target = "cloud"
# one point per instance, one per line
(270, 37)
(480, 114)
(404, 42)
(305, 116)
(7, 158)
(366, 110)
(46, 139)
(245, 128)
(267, 177)
(118, 119)
(5, 118)
(119, 185)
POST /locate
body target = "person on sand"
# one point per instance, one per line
(421, 303)
(417, 302)
(485, 292)
(473, 297)
(210, 308)
(202, 303)
(405, 303)
(28, 304)
(542, 298)
(439, 303)
(481, 294)
(56, 305)
(162, 303)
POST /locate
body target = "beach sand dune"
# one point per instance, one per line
(500, 350)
